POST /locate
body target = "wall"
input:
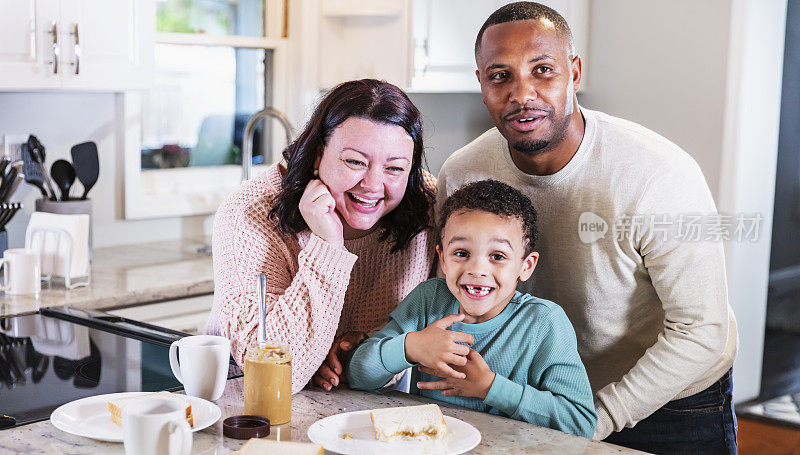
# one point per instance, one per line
(707, 76)
(450, 121)
(662, 65)
(61, 120)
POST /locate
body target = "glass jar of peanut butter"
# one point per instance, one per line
(268, 382)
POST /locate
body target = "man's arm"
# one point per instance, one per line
(689, 278)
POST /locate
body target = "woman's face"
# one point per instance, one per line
(366, 166)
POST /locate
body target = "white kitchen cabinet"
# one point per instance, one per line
(95, 45)
(420, 45)
(444, 33)
(364, 40)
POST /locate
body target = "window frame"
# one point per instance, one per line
(160, 193)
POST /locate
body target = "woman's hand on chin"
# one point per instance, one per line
(319, 210)
(331, 373)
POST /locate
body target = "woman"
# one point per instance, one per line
(341, 232)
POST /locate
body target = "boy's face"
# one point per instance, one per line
(482, 256)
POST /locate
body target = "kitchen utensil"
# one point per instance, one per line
(3, 163)
(461, 436)
(203, 366)
(8, 181)
(31, 170)
(7, 212)
(150, 426)
(4, 211)
(37, 152)
(262, 310)
(89, 417)
(64, 176)
(87, 167)
(14, 185)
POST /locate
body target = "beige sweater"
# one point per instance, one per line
(650, 310)
(315, 291)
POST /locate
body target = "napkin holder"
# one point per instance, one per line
(64, 251)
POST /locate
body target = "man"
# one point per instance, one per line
(648, 302)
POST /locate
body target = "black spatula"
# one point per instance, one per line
(33, 174)
(86, 164)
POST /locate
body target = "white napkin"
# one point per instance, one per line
(55, 262)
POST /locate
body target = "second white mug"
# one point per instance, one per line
(22, 272)
(156, 426)
(203, 366)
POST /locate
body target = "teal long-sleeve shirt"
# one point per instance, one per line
(530, 346)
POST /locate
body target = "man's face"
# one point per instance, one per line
(528, 81)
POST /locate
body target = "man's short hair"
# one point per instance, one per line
(522, 11)
(493, 197)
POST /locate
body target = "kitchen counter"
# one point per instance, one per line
(125, 275)
(498, 433)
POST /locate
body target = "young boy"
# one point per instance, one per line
(498, 350)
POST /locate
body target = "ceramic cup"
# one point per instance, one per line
(22, 273)
(156, 426)
(203, 366)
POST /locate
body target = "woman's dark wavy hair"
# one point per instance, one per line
(369, 99)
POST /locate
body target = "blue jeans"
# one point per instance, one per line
(703, 423)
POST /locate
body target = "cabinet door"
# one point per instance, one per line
(444, 39)
(357, 41)
(26, 45)
(107, 45)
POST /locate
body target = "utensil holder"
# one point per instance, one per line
(59, 235)
(76, 207)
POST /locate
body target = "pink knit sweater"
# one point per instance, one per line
(315, 291)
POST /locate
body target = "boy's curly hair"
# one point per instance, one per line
(494, 197)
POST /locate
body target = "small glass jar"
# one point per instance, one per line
(268, 382)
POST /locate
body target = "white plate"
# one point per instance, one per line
(89, 417)
(460, 438)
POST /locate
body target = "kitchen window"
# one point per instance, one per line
(216, 62)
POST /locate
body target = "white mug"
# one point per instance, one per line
(203, 368)
(156, 426)
(22, 273)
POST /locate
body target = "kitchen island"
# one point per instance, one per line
(499, 434)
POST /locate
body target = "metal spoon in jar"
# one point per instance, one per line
(262, 310)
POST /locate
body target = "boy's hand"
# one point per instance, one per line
(436, 347)
(479, 379)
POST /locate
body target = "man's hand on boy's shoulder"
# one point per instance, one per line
(478, 380)
(439, 348)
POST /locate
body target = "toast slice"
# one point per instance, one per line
(115, 406)
(409, 422)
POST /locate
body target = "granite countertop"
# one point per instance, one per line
(308, 406)
(128, 274)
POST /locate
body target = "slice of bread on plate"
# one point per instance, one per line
(409, 422)
(115, 406)
(269, 447)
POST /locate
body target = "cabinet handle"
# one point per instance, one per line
(56, 51)
(77, 63)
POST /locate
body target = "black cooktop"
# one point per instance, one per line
(64, 354)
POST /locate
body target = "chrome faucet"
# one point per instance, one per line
(249, 130)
